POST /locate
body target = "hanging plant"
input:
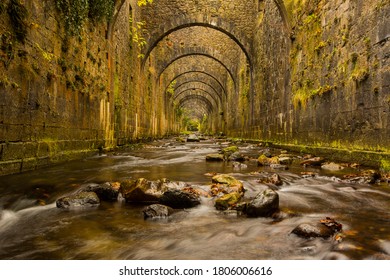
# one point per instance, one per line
(18, 14)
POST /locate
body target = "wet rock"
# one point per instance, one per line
(105, 192)
(180, 140)
(285, 160)
(230, 150)
(278, 166)
(365, 177)
(324, 229)
(264, 204)
(223, 183)
(157, 211)
(215, 157)
(332, 166)
(316, 161)
(267, 153)
(81, 199)
(239, 166)
(141, 191)
(266, 161)
(227, 201)
(312, 231)
(237, 157)
(308, 174)
(179, 199)
(193, 138)
(271, 179)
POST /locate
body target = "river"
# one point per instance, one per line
(32, 227)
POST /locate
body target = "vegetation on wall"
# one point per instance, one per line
(18, 14)
(76, 12)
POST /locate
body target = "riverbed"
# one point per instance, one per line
(32, 227)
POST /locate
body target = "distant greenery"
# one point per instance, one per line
(76, 12)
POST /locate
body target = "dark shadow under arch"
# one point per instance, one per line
(201, 72)
(198, 89)
(201, 82)
(197, 54)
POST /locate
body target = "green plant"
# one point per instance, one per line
(18, 14)
(171, 88)
(136, 30)
(76, 12)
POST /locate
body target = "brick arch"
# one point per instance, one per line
(201, 98)
(198, 91)
(206, 74)
(212, 23)
(198, 85)
(197, 54)
(229, 63)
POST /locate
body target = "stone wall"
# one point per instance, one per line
(57, 94)
(332, 88)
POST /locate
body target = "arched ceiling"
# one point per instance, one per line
(202, 45)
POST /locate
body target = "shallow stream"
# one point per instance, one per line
(31, 227)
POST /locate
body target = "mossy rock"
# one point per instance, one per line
(227, 201)
(230, 150)
(214, 157)
(265, 161)
(226, 180)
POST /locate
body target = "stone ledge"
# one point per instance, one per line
(363, 157)
(33, 163)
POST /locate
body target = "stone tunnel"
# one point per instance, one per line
(308, 73)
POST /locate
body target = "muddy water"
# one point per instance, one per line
(31, 227)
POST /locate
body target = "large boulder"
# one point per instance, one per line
(180, 199)
(157, 211)
(78, 200)
(141, 191)
(264, 204)
(105, 192)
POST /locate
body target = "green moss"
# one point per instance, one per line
(76, 12)
(360, 74)
(385, 165)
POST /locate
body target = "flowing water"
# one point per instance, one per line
(31, 227)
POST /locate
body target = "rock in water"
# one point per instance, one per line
(332, 166)
(105, 192)
(312, 231)
(223, 183)
(157, 211)
(214, 157)
(179, 199)
(325, 228)
(140, 191)
(264, 204)
(193, 138)
(81, 199)
(227, 201)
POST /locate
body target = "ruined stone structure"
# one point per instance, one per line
(310, 72)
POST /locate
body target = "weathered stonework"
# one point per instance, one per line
(311, 72)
